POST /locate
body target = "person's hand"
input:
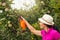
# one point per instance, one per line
(23, 19)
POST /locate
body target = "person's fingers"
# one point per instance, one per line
(22, 18)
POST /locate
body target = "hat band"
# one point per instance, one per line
(46, 21)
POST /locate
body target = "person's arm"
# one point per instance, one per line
(33, 30)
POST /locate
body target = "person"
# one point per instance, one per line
(47, 25)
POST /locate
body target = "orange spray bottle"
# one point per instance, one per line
(22, 24)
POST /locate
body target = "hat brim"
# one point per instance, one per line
(42, 21)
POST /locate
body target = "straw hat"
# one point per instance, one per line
(46, 19)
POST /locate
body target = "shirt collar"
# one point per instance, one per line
(50, 29)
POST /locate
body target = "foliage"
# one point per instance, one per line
(9, 25)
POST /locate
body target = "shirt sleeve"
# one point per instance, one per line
(42, 33)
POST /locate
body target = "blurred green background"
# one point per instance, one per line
(9, 24)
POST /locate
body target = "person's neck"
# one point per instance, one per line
(46, 29)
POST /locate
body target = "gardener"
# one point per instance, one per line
(48, 31)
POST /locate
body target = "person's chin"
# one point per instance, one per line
(41, 27)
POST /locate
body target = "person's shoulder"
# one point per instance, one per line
(54, 31)
(55, 34)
